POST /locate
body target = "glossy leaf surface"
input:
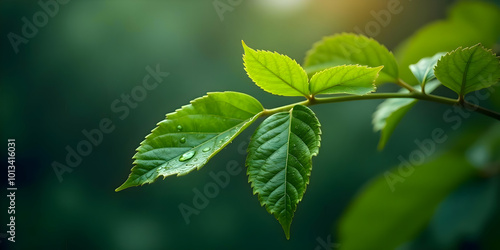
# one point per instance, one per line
(189, 137)
(280, 161)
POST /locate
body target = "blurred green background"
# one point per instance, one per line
(65, 79)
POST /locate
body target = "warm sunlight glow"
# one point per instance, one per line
(282, 5)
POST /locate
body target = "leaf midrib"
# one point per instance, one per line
(466, 71)
(426, 73)
(286, 161)
(202, 144)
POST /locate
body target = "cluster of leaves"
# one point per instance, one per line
(451, 201)
(279, 160)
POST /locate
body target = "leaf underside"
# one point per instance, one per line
(279, 161)
(424, 69)
(390, 112)
(189, 137)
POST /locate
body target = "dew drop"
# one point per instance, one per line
(227, 138)
(183, 139)
(206, 149)
(187, 156)
(179, 128)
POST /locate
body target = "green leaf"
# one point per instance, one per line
(188, 138)
(468, 23)
(484, 152)
(348, 79)
(351, 49)
(495, 100)
(465, 212)
(469, 69)
(280, 161)
(424, 69)
(395, 207)
(390, 112)
(275, 73)
(461, 217)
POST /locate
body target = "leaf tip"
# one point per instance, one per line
(125, 185)
(286, 229)
(245, 46)
(120, 188)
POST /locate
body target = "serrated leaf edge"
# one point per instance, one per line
(464, 76)
(246, 47)
(327, 38)
(243, 127)
(252, 185)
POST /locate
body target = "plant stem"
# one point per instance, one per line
(407, 86)
(482, 110)
(414, 94)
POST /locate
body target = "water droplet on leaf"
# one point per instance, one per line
(206, 149)
(183, 139)
(187, 156)
(179, 128)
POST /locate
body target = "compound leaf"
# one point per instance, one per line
(348, 79)
(192, 135)
(275, 73)
(348, 48)
(468, 69)
(280, 161)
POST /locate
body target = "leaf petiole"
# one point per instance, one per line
(407, 86)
